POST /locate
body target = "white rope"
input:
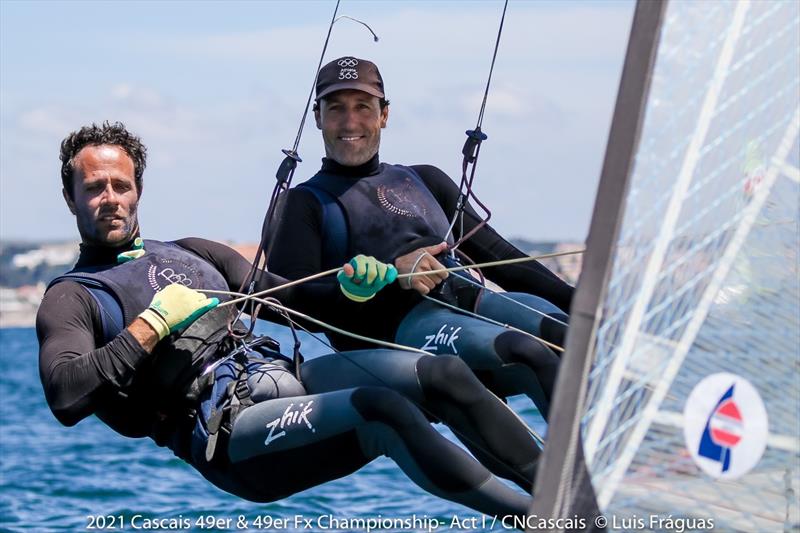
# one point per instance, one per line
(244, 297)
(500, 262)
(505, 297)
(272, 303)
(495, 322)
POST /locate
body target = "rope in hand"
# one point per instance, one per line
(244, 297)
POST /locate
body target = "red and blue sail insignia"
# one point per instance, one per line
(723, 431)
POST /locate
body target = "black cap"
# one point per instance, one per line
(349, 73)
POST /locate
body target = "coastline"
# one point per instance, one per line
(38, 264)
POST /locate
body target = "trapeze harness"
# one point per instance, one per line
(174, 378)
(393, 212)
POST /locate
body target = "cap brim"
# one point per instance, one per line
(363, 87)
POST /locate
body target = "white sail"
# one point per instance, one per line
(704, 282)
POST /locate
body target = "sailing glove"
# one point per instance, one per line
(136, 251)
(369, 277)
(175, 307)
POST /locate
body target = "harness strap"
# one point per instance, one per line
(334, 227)
(110, 309)
(333, 222)
(238, 399)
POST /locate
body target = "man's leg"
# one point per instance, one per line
(282, 446)
(508, 362)
(527, 312)
(444, 388)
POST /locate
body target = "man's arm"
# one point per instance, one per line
(297, 248)
(487, 245)
(313, 298)
(296, 253)
(75, 373)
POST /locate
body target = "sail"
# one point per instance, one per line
(692, 361)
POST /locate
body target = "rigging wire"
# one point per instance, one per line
(508, 298)
(471, 152)
(284, 177)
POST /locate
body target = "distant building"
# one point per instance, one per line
(49, 254)
(18, 306)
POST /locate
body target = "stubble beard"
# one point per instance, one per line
(91, 233)
(352, 158)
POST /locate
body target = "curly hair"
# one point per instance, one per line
(107, 133)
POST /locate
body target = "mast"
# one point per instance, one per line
(562, 472)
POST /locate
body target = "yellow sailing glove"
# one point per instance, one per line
(136, 251)
(369, 276)
(175, 307)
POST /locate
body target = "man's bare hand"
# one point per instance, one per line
(425, 262)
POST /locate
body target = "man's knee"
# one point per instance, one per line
(554, 328)
(516, 347)
(449, 376)
(379, 404)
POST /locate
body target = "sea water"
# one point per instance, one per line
(88, 478)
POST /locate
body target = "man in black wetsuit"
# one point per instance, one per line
(128, 335)
(358, 205)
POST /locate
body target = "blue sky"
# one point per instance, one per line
(216, 89)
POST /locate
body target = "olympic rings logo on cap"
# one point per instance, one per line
(348, 62)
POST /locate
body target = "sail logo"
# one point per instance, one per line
(290, 417)
(442, 338)
(725, 425)
(723, 431)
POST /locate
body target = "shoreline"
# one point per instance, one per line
(19, 304)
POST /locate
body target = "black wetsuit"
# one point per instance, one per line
(351, 406)
(301, 222)
(402, 315)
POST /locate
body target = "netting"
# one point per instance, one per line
(705, 276)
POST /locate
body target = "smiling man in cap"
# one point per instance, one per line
(401, 215)
(351, 139)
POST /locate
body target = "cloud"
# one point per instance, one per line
(48, 120)
(136, 97)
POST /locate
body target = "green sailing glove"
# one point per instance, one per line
(136, 251)
(175, 307)
(369, 277)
